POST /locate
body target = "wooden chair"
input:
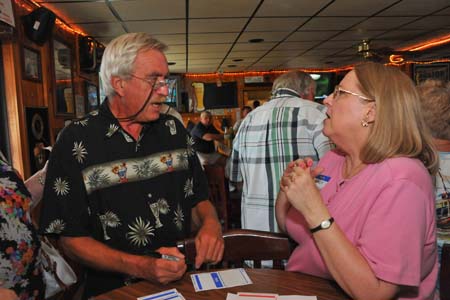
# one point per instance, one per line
(444, 280)
(244, 244)
(219, 193)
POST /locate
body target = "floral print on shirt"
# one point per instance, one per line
(19, 244)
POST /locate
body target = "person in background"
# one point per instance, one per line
(245, 111)
(20, 272)
(169, 110)
(125, 183)
(286, 128)
(256, 103)
(204, 134)
(368, 221)
(435, 98)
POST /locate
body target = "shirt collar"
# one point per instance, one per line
(283, 92)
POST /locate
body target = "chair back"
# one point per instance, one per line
(444, 280)
(219, 194)
(245, 244)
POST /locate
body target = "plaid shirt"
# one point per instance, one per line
(282, 130)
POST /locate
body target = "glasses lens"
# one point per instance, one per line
(336, 92)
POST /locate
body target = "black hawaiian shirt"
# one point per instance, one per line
(132, 195)
(19, 243)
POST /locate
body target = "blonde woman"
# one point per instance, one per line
(369, 223)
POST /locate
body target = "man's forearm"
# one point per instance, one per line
(97, 255)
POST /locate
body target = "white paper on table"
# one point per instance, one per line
(296, 297)
(172, 294)
(220, 279)
(257, 296)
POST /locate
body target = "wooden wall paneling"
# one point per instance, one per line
(15, 111)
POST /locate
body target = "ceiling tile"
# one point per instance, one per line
(290, 8)
(275, 24)
(357, 35)
(214, 38)
(283, 53)
(295, 45)
(267, 36)
(253, 46)
(176, 49)
(246, 54)
(432, 22)
(415, 8)
(202, 48)
(157, 27)
(301, 36)
(217, 55)
(400, 35)
(104, 29)
(171, 39)
(384, 23)
(355, 8)
(147, 10)
(331, 23)
(220, 8)
(218, 25)
(81, 12)
(337, 44)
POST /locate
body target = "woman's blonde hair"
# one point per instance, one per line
(399, 129)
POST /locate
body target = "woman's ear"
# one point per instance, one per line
(118, 85)
(371, 112)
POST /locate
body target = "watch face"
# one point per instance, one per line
(326, 224)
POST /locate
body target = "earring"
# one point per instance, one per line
(364, 123)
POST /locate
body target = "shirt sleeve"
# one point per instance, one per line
(65, 207)
(392, 239)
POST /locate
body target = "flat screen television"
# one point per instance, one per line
(224, 96)
(173, 98)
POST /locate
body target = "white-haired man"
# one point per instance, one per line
(286, 128)
(124, 182)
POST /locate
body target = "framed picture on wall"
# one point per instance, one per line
(38, 137)
(32, 69)
(92, 96)
(433, 71)
(65, 99)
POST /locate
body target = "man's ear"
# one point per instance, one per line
(118, 84)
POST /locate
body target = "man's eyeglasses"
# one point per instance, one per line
(155, 83)
(338, 90)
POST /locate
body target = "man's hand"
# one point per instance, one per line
(162, 270)
(209, 243)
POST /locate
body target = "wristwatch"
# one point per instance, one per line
(325, 224)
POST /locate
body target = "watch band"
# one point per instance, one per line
(325, 224)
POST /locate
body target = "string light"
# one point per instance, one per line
(428, 44)
(263, 73)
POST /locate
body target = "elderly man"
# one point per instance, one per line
(286, 128)
(204, 134)
(124, 183)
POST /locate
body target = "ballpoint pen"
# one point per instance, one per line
(163, 256)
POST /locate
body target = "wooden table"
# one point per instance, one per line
(264, 281)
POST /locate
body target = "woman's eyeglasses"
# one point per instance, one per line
(338, 90)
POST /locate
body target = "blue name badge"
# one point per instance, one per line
(321, 180)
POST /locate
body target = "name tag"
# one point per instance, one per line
(321, 180)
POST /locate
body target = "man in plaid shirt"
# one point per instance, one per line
(286, 128)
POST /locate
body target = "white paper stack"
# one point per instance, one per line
(220, 279)
(266, 296)
(172, 294)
